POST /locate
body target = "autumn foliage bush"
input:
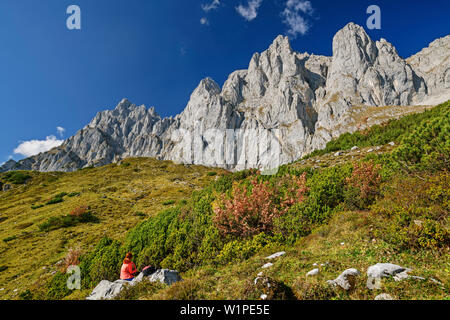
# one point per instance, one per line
(79, 211)
(363, 185)
(251, 209)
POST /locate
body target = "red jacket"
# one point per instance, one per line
(127, 271)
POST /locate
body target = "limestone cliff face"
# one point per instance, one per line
(285, 105)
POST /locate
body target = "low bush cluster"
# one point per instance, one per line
(79, 215)
(16, 177)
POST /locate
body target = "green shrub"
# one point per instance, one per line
(16, 177)
(57, 198)
(8, 239)
(212, 174)
(67, 221)
(168, 202)
(417, 220)
(36, 206)
(326, 193)
(26, 295)
(103, 263)
(428, 145)
(57, 286)
(3, 268)
(238, 250)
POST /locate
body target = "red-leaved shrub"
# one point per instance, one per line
(250, 211)
(366, 180)
(78, 212)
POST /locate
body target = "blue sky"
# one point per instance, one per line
(155, 52)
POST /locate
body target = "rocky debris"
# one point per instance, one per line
(7, 187)
(384, 296)
(267, 265)
(346, 280)
(107, 290)
(307, 98)
(276, 255)
(354, 148)
(337, 154)
(313, 272)
(392, 143)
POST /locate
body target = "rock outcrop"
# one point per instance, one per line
(285, 105)
(107, 290)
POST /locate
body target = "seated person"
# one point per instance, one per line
(128, 268)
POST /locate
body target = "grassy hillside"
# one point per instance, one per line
(117, 196)
(382, 202)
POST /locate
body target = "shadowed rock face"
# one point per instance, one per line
(307, 98)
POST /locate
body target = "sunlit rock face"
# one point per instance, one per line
(285, 105)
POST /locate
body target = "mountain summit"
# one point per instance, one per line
(300, 100)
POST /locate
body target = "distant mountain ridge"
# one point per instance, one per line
(307, 99)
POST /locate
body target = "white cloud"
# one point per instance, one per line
(204, 21)
(212, 6)
(292, 17)
(249, 12)
(300, 5)
(61, 131)
(33, 147)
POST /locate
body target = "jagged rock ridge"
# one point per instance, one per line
(285, 105)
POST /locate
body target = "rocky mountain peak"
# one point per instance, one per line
(281, 44)
(309, 99)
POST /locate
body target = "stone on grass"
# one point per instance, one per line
(165, 276)
(346, 280)
(384, 296)
(313, 272)
(267, 265)
(384, 270)
(106, 290)
(276, 255)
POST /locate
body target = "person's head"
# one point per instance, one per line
(128, 257)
